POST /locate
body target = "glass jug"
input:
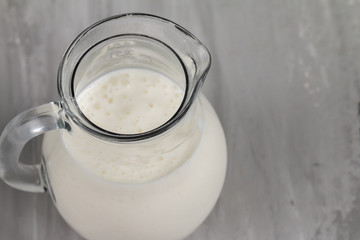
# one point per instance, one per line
(170, 176)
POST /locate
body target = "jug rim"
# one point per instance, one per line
(72, 110)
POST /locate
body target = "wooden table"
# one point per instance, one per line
(284, 81)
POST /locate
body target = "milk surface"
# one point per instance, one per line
(130, 101)
(161, 189)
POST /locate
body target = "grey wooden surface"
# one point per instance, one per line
(284, 81)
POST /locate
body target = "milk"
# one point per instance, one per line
(155, 190)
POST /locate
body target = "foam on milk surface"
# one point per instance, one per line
(128, 101)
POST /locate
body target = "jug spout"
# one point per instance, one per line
(197, 61)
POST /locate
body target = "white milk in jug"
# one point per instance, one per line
(122, 191)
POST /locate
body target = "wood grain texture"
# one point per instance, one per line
(284, 81)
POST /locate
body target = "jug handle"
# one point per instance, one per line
(16, 134)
